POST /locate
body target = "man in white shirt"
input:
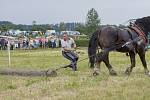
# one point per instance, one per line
(68, 46)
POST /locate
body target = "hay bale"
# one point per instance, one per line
(22, 72)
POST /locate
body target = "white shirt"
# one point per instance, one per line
(67, 44)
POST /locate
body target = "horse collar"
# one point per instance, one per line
(139, 31)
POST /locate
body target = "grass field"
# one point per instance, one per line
(69, 85)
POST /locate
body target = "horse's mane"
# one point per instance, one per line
(144, 22)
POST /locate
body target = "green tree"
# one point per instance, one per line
(34, 22)
(62, 26)
(92, 21)
(6, 25)
(3, 28)
(81, 28)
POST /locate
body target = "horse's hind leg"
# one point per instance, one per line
(142, 57)
(108, 65)
(132, 59)
(96, 68)
(97, 64)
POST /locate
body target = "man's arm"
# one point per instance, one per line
(67, 49)
(73, 43)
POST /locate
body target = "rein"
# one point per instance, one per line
(66, 66)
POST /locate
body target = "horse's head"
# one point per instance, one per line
(144, 23)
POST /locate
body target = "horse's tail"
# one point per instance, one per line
(93, 44)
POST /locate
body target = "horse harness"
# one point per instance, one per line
(138, 30)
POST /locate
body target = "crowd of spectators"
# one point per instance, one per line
(30, 43)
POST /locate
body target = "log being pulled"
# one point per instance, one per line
(23, 72)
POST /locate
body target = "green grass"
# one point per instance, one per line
(69, 85)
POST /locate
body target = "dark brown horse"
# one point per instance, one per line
(131, 40)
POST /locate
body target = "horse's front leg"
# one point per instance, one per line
(132, 59)
(108, 65)
(142, 57)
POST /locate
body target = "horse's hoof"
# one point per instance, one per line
(128, 71)
(95, 73)
(147, 72)
(113, 73)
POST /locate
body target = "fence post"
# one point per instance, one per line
(8, 48)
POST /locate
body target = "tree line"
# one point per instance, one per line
(92, 23)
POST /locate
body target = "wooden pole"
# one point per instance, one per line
(8, 48)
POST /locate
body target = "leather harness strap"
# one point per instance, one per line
(130, 32)
(140, 32)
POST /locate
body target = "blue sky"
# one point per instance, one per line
(55, 11)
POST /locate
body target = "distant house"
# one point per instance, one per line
(14, 32)
(74, 34)
(71, 33)
(50, 32)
